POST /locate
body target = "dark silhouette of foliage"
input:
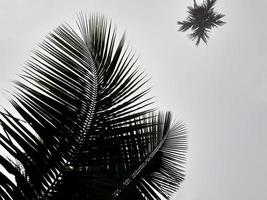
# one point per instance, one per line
(201, 19)
(86, 128)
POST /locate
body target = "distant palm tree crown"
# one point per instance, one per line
(201, 19)
(82, 125)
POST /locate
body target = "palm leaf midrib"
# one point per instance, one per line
(90, 110)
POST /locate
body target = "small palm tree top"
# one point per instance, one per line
(201, 19)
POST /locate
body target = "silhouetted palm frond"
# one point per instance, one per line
(201, 19)
(161, 170)
(87, 128)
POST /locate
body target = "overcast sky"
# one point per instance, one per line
(219, 90)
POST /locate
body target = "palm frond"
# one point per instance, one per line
(160, 171)
(201, 19)
(120, 104)
(87, 128)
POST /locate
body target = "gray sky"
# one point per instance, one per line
(219, 90)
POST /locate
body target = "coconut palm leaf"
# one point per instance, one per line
(86, 128)
(161, 170)
(118, 109)
(201, 19)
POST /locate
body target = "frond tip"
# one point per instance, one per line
(201, 19)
